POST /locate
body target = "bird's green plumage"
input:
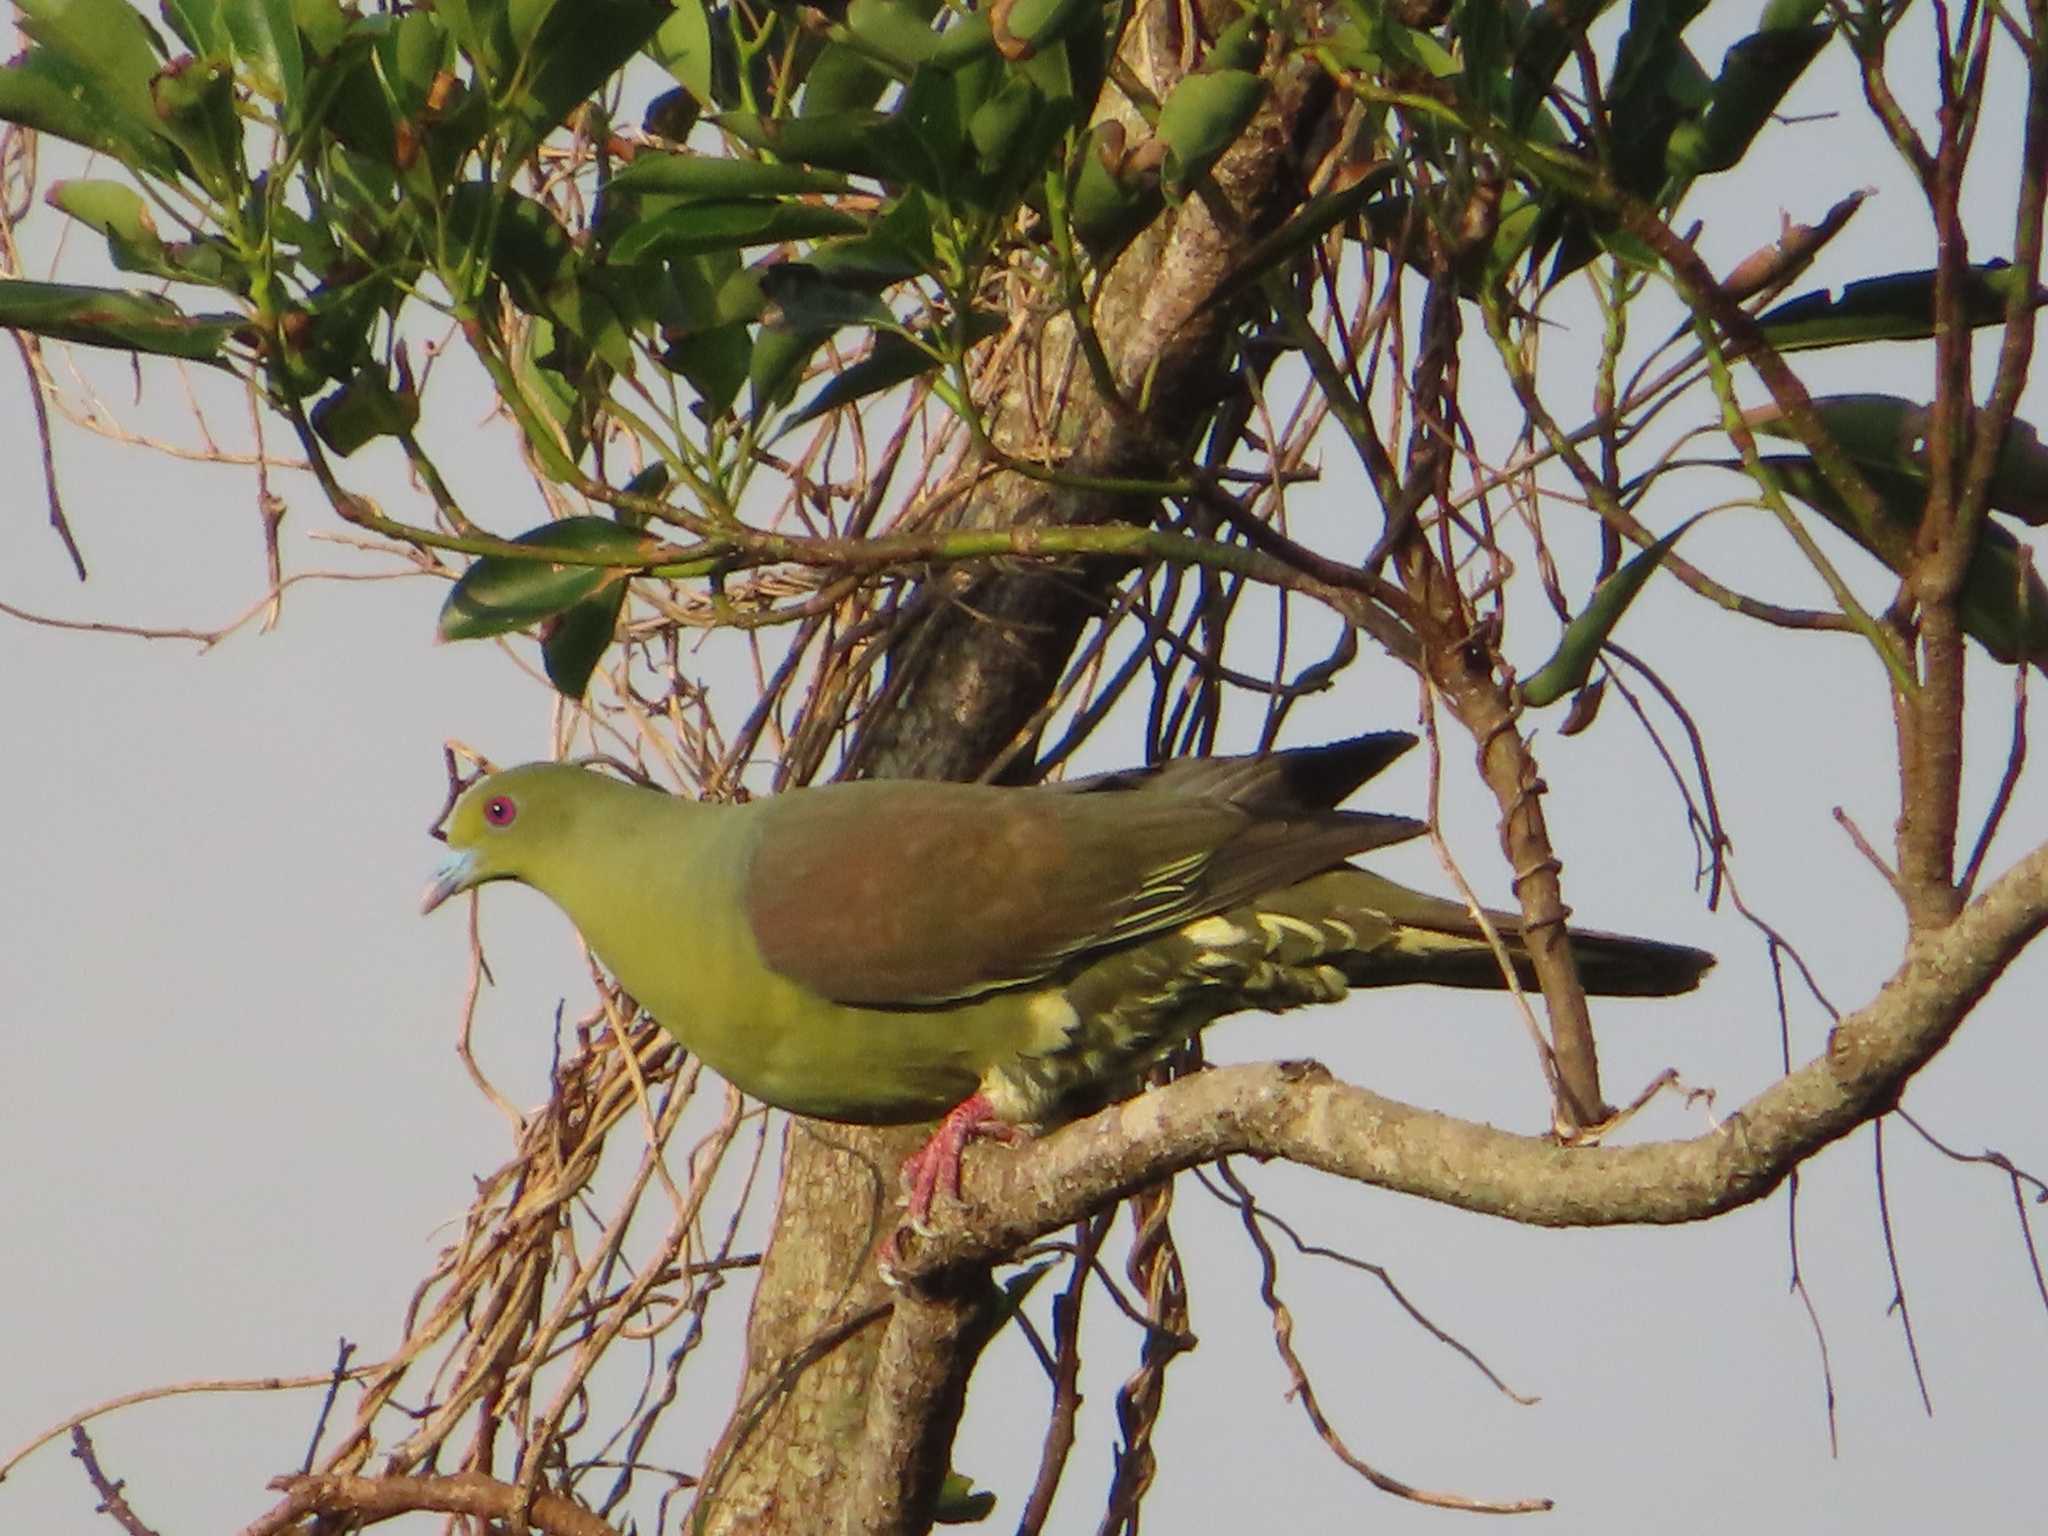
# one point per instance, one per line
(878, 951)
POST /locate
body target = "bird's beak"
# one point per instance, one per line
(457, 872)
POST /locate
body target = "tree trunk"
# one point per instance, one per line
(851, 1394)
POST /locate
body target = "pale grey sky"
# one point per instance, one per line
(235, 1121)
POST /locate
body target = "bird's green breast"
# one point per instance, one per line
(658, 897)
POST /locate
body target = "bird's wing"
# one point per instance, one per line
(1289, 781)
(918, 894)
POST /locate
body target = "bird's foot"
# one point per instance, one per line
(935, 1166)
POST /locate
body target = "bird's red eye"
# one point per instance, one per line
(499, 811)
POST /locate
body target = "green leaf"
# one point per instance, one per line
(1548, 35)
(844, 79)
(809, 300)
(896, 33)
(777, 363)
(961, 1503)
(874, 144)
(573, 641)
(895, 359)
(50, 94)
(1755, 76)
(1000, 128)
(198, 23)
(322, 23)
(1201, 119)
(524, 19)
(528, 249)
(581, 46)
(1241, 45)
(194, 103)
(727, 226)
(265, 37)
(720, 177)
(682, 46)
(1567, 670)
(113, 317)
(1041, 23)
(716, 361)
(1108, 205)
(106, 41)
(1896, 307)
(502, 593)
(2003, 604)
(120, 214)
(363, 410)
(1888, 432)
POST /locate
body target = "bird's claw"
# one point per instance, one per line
(935, 1167)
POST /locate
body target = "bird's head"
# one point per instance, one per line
(506, 826)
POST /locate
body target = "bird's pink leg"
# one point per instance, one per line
(936, 1164)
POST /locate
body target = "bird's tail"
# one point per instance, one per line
(1401, 936)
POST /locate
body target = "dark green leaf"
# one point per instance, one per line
(895, 359)
(720, 176)
(1896, 307)
(727, 226)
(1549, 33)
(1201, 119)
(776, 366)
(529, 251)
(363, 410)
(502, 593)
(575, 640)
(716, 361)
(1567, 670)
(1888, 432)
(1755, 76)
(809, 300)
(881, 145)
(580, 47)
(2003, 604)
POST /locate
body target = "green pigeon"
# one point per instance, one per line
(892, 951)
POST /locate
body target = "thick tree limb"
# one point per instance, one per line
(1299, 1112)
(366, 1500)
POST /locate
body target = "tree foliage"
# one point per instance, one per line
(962, 367)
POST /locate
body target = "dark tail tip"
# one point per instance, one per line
(1615, 965)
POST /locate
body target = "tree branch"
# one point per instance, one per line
(1296, 1110)
(367, 1500)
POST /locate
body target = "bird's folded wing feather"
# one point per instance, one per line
(907, 895)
